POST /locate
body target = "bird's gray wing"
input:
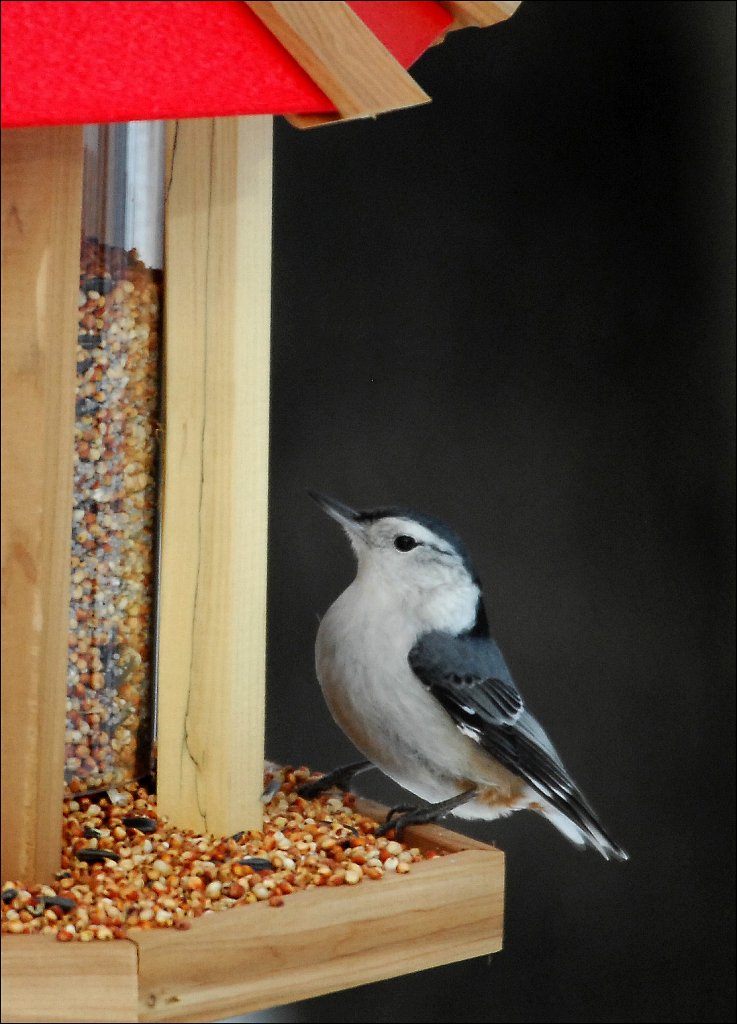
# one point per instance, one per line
(470, 679)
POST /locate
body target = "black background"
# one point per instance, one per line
(513, 309)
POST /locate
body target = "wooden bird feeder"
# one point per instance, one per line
(212, 75)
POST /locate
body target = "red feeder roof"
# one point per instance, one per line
(113, 60)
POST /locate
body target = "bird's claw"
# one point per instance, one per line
(313, 789)
(420, 815)
(339, 778)
(402, 816)
(401, 809)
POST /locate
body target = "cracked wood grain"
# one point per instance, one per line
(212, 608)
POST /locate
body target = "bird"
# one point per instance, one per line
(411, 674)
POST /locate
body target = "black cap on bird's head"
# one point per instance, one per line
(355, 523)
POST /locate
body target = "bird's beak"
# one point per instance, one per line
(348, 518)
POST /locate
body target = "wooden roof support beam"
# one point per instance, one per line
(343, 57)
(480, 14)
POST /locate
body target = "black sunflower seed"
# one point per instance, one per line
(143, 824)
(96, 856)
(9, 895)
(257, 863)
(62, 902)
(85, 407)
(103, 285)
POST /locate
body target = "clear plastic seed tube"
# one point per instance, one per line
(114, 515)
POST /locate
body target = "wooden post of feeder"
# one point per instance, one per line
(41, 212)
(212, 610)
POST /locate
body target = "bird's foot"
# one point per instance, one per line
(402, 809)
(400, 816)
(339, 778)
(409, 815)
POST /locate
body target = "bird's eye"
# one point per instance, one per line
(403, 543)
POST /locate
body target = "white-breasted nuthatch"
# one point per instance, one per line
(411, 675)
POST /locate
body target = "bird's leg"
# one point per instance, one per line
(422, 815)
(339, 778)
(399, 808)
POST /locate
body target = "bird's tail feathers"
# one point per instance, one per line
(586, 833)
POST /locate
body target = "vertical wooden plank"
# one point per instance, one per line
(41, 213)
(212, 608)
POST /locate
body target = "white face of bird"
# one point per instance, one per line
(400, 557)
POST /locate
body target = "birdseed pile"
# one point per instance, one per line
(113, 520)
(124, 866)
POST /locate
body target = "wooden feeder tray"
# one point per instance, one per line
(322, 940)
